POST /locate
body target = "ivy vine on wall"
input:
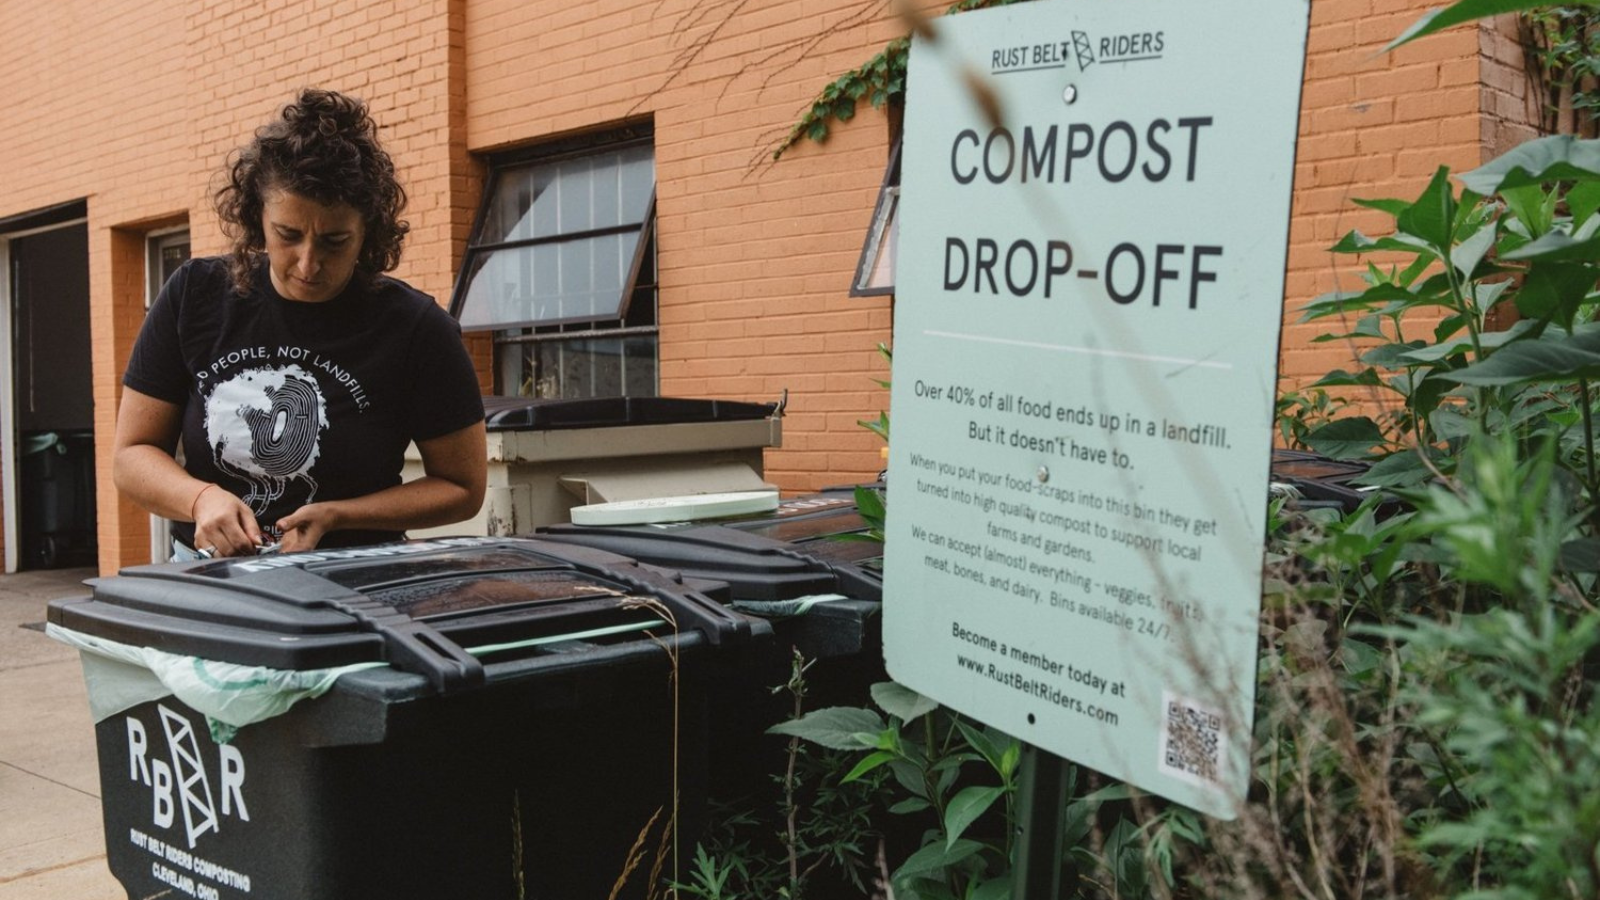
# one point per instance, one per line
(881, 81)
(1563, 61)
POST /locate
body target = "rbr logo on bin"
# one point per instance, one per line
(183, 782)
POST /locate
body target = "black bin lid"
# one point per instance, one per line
(761, 569)
(826, 526)
(413, 604)
(530, 413)
(755, 566)
(1321, 479)
(792, 552)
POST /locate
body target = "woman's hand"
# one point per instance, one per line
(223, 524)
(303, 529)
(451, 489)
(144, 470)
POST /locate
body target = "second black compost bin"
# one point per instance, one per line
(797, 564)
(820, 591)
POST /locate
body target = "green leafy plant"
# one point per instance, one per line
(870, 505)
(1427, 707)
(925, 749)
(880, 425)
(1299, 413)
(814, 826)
(870, 501)
(1423, 700)
(1502, 677)
(713, 878)
(1521, 233)
(1563, 58)
(958, 781)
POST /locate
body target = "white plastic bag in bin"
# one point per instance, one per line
(230, 696)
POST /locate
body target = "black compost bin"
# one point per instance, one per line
(520, 740)
(772, 563)
(503, 413)
(822, 596)
(1313, 481)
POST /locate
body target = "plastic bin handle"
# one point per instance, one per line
(415, 647)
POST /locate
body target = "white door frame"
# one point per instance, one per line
(8, 418)
(160, 528)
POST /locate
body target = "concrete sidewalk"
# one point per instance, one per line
(52, 845)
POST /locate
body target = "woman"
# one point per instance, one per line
(294, 370)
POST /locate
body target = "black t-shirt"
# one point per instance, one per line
(286, 403)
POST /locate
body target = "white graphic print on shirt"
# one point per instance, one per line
(265, 427)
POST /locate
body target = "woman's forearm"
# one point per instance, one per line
(423, 503)
(150, 477)
(451, 490)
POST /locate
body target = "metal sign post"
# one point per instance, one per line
(1041, 822)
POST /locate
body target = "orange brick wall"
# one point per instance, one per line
(1509, 109)
(135, 106)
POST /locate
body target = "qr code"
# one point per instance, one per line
(1192, 739)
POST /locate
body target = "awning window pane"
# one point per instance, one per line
(636, 177)
(875, 268)
(566, 281)
(574, 206)
(510, 213)
(881, 274)
(552, 199)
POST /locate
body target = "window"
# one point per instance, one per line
(561, 268)
(875, 270)
(165, 251)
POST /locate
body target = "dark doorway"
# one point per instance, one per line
(53, 403)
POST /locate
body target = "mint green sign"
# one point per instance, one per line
(1093, 228)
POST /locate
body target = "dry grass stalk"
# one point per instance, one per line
(635, 855)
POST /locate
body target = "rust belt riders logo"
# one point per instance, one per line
(181, 780)
(1139, 46)
(1084, 49)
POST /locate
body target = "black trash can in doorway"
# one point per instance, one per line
(57, 517)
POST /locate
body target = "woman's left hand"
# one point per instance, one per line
(454, 469)
(303, 529)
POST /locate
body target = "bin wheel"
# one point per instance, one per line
(50, 551)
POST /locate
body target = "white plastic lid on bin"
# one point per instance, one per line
(684, 508)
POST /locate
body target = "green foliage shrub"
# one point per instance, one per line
(1427, 725)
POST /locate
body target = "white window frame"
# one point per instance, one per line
(878, 250)
(155, 242)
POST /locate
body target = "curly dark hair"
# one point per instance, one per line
(324, 147)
